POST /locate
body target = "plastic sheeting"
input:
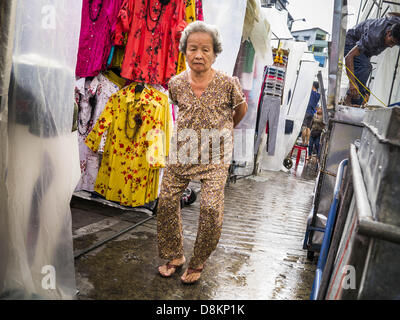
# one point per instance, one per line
(383, 78)
(261, 37)
(43, 161)
(228, 17)
(278, 21)
(7, 22)
(244, 132)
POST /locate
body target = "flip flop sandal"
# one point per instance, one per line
(170, 266)
(190, 271)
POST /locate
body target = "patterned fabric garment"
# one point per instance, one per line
(212, 110)
(92, 98)
(154, 31)
(97, 28)
(190, 16)
(199, 10)
(133, 154)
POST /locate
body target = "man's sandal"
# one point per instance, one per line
(170, 266)
(190, 271)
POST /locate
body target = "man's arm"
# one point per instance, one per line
(239, 113)
(349, 60)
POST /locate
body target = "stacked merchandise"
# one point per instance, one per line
(270, 101)
(274, 81)
(128, 51)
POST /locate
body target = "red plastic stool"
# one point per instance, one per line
(299, 150)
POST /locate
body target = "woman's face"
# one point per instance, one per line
(200, 51)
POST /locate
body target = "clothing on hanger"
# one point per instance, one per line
(135, 148)
(199, 10)
(153, 29)
(92, 96)
(190, 16)
(97, 28)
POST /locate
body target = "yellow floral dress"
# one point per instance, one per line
(190, 16)
(133, 153)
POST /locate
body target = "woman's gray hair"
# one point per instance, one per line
(200, 26)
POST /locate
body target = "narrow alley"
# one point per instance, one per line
(259, 255)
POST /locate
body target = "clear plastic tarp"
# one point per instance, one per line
(42, 163)
(244, 132)
(228, 17)
(278, 21)
(7, 22)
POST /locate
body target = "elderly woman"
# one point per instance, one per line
(208, 101)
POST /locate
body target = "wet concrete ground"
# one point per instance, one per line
(259, 255)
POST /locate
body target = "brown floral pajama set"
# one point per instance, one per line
(212, 112)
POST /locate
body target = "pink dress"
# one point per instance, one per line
(97, 30)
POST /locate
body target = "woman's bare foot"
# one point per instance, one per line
(192, 275)
(170, 267)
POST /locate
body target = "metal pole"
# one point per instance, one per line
(323, 98)
(359, 11)
(336, 52)
(391, 2)
(378, 13)
(99, 244)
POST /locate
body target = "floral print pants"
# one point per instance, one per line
(169, 220)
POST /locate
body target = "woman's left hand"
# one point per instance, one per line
(239, 113)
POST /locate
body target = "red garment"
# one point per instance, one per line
(154, 31)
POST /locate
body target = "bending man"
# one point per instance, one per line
(368, 38)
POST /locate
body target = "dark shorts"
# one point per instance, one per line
(362, 70)
(307, 120)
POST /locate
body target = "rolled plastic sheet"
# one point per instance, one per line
(244, 132)
(43, 160)
(228, 17)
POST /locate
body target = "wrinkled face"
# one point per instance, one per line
(200, 51)
(390, 41)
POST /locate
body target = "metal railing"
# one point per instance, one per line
(328, 231)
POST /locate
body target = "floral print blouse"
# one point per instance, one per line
(213, 110)
(154, 31)
(91, 97)
(133, 154)
(190, 16)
